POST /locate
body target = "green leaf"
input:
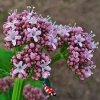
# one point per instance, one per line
(3, 96)
(5, 59)
(9, 92)
(34, 83)
(6, 95)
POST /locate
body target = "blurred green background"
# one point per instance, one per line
(86, 13)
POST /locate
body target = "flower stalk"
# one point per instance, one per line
(57, 57)
(18, 88)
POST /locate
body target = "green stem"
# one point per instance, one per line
(18, 88)
(6, 96)
(56, 58)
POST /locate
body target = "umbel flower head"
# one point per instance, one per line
(28, 27)
(31, 60)
(36, 31)
(33, 93)
(6, 83)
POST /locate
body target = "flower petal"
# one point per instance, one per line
(8, 38)
(14, 42)
(18, 37)
(54, 46)
(48, 68)
(16, 71)
(35, 38)
(38, 32)
(29, 35)
(20, 63)
(80, 44)
(22, 71)
(24, 66)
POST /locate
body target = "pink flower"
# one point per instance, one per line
(45, 74)
(45, 66)
(75, 54)
(13, 36)
(20, 68)
(33, 20)
(33, 33)
(88, 71)
(94, 45)
(10, 25)
(63, 31)
(79, 39)
(88, 54)
(52, 41)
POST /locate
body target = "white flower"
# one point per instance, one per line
(15, 21)
(94, 45)
(88, 71)
(10, 24)
(13, 36)
(19, 68)
(32, 20)
(45, 74)
(88, 54)
(63, 31)
(52, 41)
(45, 66)
(79, 39)
(33, 33)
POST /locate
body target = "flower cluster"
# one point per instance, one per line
(28, 27)
(81, 48)
(32, 93)
(31, 61)
(6, 83)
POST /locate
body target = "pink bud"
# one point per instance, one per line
(32, 56)
(31, 45)
(18, 56)
(77, 60)
(27, 59)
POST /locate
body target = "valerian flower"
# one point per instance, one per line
(88, 71)
(79, 39)
(52, 41)
(10, 24)
(19, 68)
(33, 33)
(12, 36)
(45, 74)
(45, 66)
(33, 20)
(88, 54)
(63, 31)
(94, 45)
